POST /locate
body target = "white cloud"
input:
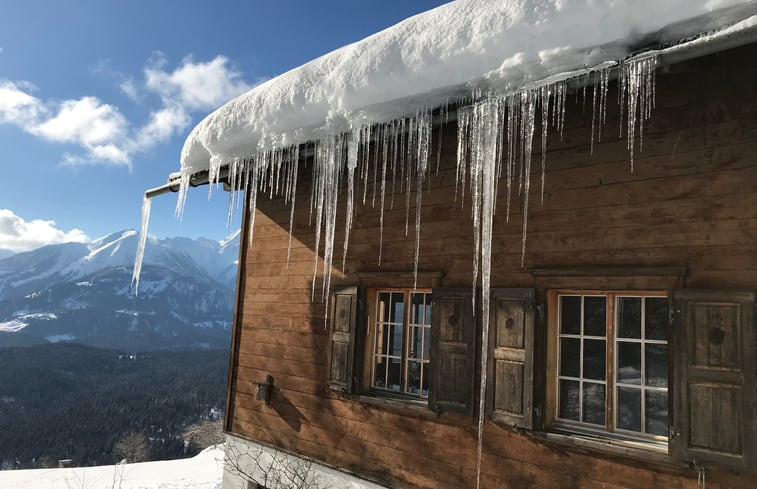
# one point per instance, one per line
(129, 87)
(17, 234)
(86, 120)
(196, 86)
(163, 124)
(101, 129)
(17, 106)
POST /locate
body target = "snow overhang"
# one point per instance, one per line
(444, 54)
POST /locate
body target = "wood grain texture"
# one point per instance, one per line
(690, 202)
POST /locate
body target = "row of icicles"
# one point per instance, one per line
(376, 163)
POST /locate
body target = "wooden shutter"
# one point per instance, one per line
(511, 356)
(714, 419)
(343, 314)
(453, 349)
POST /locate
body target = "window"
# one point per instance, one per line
(410, 344)
(400, 352)
(612, 362)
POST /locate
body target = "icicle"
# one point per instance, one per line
(253, 189)
(443, 115)
(544, 94)
(484, 120)
(181, 199)
(529, 115)
(366, 159)
(424, 127)
(395, 149)
(408, 169)
(146, 203)
(593, 113)
(463, 118)
(232, 179)
(292, 191)
(384, 163)
(352, 153)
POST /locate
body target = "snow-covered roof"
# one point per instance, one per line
(439, 55)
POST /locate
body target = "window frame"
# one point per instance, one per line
(371, 336)
(610, 429)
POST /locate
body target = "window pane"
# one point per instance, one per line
(418, 308)
(570, 357)
(570, 314)
(382, 308)
(656, 412)
(416, 341)
(379, 379)
(414, 377)
(629, 317)
(397, 307)
(656, 318)
(394, 374)
(656, 365)
(595, 316)
(395, 340)
(570, 404)
(629, 362)
(594, 403)
(629, 408)
(594, 359)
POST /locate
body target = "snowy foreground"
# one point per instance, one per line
(204, 471)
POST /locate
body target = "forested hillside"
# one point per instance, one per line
(65, 400)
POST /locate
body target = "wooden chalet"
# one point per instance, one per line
(622, 347)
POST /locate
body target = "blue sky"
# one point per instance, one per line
(96, 98)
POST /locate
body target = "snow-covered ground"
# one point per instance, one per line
(205, 471)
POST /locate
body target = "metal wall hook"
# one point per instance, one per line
(264, 390)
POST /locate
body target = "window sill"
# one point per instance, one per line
(654, 452)
(419, 406)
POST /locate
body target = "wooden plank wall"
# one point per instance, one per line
(691, 200)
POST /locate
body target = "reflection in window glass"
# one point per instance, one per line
(595, 316)
(582, 368)
(642, 365)
(401, 348)
(629, 409)
(633, 331)
(570, 314)
(656, 412)
(570, 400)
(629, 317)
(593, 403)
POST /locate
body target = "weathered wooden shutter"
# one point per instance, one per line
(453, 349)
(714, 416)
(343, 314)
(511, 356)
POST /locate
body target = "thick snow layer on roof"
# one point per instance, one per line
(429, 59)
(203, 471)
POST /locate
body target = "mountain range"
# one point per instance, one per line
(83, 293)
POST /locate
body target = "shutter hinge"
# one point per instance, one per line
(672, 312)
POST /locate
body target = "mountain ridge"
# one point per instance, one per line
(82, 292)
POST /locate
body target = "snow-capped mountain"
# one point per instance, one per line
(83, 292)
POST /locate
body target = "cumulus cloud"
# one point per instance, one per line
(196, 86)
(16, 105)
(17, 234)
(102, 131)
